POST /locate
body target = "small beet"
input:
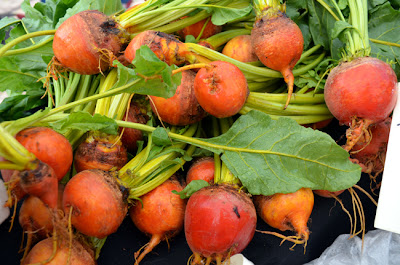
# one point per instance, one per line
(287, 211)
(159, 214)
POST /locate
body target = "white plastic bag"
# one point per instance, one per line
(380, 247)
(238, 259)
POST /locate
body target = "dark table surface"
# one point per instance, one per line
(328, 220)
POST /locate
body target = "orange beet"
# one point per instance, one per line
(130, 137)
(240, 48)
(287, 211)
(365, 87)
(202, 168)
(43, 251)
(165, 46)
(87, 42)
(160, 215)
(360, 93)
(195, 29)
(48, 146)
(41, 182)
(278, 43)
(221, 89)
(182, 108)
(371, 150)
(98, 206)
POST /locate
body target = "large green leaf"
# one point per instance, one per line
(222, 15)
(147, 64)
(108, 7)
(22, 72)
(84, 121)
(384, 26)
(320, 21)
(18, 106)
(283, 156)
(298, 12)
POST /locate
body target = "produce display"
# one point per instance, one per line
(213, 127)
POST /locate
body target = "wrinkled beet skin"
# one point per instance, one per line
(41, 182)
(218, 219)
(79, 39)
(182, 108)
(364, 88)
(99, 154)
(165, 46)
(277, 41)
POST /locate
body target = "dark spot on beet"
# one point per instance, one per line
(235, 210)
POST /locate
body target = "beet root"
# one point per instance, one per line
(287, 211)
(360, 93)
(96, 203)
(160, 215)
(241, 49)
(278, 43)
(87, 42)
(129, 136)
(202, 168)
(49, 147)
(41, 182)
(370, 151)
(219, 222)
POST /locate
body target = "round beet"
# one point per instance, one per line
(182, 108)
(202, 168)
(289, 211)
(159, 214)
(221, 89)
(371, 150)
(360, 93)
(65, 253)
(220, 221)
(41, 182)
(49, 147)
(363, 88)
(87, 42)
(278, 43)
(204, 27)
(98, 205)
(165, 46)
(240, 48)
